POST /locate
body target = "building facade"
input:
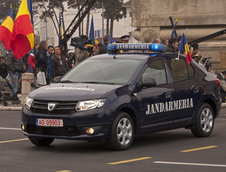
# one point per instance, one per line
(46, 30)
(197, 18)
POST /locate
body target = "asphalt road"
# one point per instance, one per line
(176, 151)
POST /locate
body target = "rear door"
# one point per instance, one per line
(186, 92)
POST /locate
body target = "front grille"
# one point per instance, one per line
(61, 131)
(62, 107)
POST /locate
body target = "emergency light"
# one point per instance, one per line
(143, 47)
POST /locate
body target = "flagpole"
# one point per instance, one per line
(103, 22)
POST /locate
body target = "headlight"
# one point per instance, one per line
(90, 104)
(28, 102)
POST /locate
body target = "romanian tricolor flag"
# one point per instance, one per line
(23, 35)
(6, 30)
(184, 49)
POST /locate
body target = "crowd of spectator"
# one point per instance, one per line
(46, 62)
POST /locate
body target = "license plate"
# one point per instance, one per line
(49, 122)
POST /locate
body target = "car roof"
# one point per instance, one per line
(133, 56)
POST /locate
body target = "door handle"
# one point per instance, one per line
(168, 95)
(195, 89)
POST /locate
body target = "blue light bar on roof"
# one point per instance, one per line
(149, 47)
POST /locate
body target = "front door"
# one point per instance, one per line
(153, 99)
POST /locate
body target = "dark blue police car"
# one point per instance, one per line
(115, 96)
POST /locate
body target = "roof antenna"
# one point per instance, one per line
(114, 57)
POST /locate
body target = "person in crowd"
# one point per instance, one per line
(41, 57)
(31, 59)
(16, 68)
(96, 48)
(71, 60)
(80, 55)
(36, 48)
(31, 63)
(195, 52)
(3, 80)
(222, 77)
(50, 70)
(125, 39)
(3, 67)
(103, 48)
(59, 63)
(173, 45)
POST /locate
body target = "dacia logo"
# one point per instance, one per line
(51, 106)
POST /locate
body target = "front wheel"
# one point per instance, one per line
(122, 132)
(204, 123)
(41, 142)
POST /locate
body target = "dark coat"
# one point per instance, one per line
(13, 64)
(41, 60)
(3, 70)
(60, 66)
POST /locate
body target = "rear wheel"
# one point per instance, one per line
(204, 123)
(41, 142)
(122, 132)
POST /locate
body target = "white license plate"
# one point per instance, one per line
(49, 122)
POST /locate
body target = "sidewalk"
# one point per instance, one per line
(19, 107)
(11, 107)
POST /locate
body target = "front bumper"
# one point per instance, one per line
(74, 125)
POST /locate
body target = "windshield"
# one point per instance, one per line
(109, 71)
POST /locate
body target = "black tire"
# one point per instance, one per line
(115, 142)
(204, 123)
(41, 142)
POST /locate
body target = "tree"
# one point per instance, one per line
(50, 10)
(113, 11)
(5, 8)
(76, 4)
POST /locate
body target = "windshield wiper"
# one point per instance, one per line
(109, 83)
(66, 81)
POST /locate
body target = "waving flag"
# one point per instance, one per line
(91, 32)
(112, 40)
(30, 10)
(6, 30)
(184, 49)
(23, 35)
(60, 27)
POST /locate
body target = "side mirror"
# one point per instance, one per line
(56, 79)
(148, 82)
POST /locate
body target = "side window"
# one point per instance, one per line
(156, 70)
(179, 70)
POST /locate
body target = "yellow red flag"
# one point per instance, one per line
(23, 35)
(6, 30)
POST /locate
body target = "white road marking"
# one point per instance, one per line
(4, 128)
(191, 164)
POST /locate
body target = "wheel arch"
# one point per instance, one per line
(132, 114)
(212, 104)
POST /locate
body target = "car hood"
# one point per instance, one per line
(72, 92)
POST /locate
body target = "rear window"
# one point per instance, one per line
(179, 69)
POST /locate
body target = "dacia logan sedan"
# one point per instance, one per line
(115, 96)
